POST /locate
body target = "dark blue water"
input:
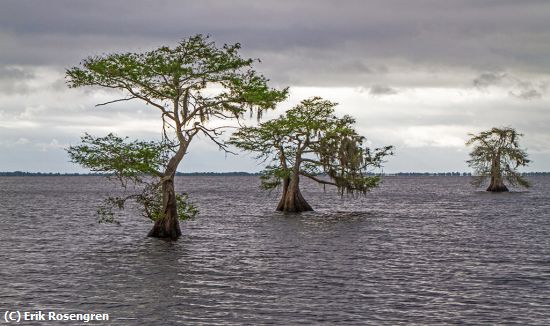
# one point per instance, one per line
(418, 250)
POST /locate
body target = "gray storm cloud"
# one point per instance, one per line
(378, 90)
(493, 56)
(517, 87)
(344, 37)
(14, 80)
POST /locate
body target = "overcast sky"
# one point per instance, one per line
(419, 74)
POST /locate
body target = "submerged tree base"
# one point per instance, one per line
(497, 185)
(166, 229)
(293, 203)
(497, 188)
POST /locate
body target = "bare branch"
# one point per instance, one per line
(149, 101)
(214, 138)
(314, 178)
(115, 101)
(311, 160)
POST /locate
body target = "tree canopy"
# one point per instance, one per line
(189, 85)
(497, 155)
(310, 141)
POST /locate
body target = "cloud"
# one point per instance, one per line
(22, 141)
(14, 79)
(377, 90)
(308, 43)
(526, 91)
(53, 144)
(435, 136)
(517, 87)
(526, 94)
(487, 79)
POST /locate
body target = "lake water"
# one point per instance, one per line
(418, 250)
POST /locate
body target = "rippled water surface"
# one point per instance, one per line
(418, 250)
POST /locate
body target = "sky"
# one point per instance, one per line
(420, 75)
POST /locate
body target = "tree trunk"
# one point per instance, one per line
(497, 184)
(168, 226)
(292, 200)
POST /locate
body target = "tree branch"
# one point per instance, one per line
(311, 161)
(312, 177)
(119, 100)
(147, 100)
(213, 138)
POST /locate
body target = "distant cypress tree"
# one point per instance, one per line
(497, 155)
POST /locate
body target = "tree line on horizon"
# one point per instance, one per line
(196, 82)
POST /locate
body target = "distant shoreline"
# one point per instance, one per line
(230, 174)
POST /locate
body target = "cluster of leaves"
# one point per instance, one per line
(127, 161)
(497, 154)
(309, 140)
(151, 201)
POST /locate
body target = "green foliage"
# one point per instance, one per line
(309, 140)
(181, 81)
(496, 153)
(126, 160)
(151, 203)
(272, 176)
